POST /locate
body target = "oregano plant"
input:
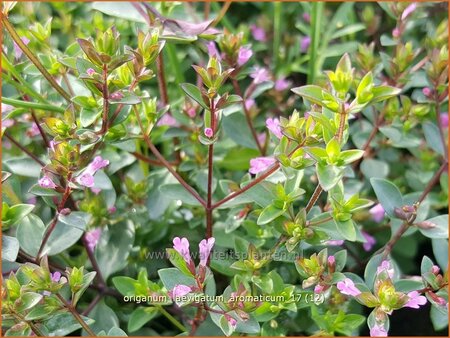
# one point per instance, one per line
(258, 169)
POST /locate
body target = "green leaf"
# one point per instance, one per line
(123, 10)
(62, 324)
(349, 156)
(141, 316)
(347, 30)
(194, 93)
(347, 229)
(235, 127)
(29, 234)
(440, 230)
(10, 248)
(116, 332)
(382, 93)
(27, 300)
(23, 167)
(88, 116)
(311, 93)
(75, 219)
(125, 285)
(105, 318)
(432, 135)
(371, 270)
(178, 261)
(268, 214)
(238, 159)
(16, 213)
(388, 195)
(374, 168)
(329, 175)
(440, 251)
(178, 193)
(172, 276)
(114, 247)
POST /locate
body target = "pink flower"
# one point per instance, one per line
(96, 190)
(90, 71)
(179, 290)
(191, 112)
(260, 75)
(112, 210)
(334, 242)
(55, 276)
(347, 287)
(426, 91)
(377, 213)
(304, 44)
(260, 164)
(386, 266)
(231, 321)
(205, 248)
(378, 331)
(7, 123)
(97, 163)
(167, 120)
(212, 50)
(444, 119)
(17, 51)
(92, 237)
(33, 130)
(258, 33)
(181, 245)
(85, 179)
(262, 138)
(396, 32)
(282, 84)
(245, 53)
(408, 10)
(249, 103)
(435, 269)
(370, 241)
(32, 200)
(274, 126)
(331, 260)
(306, 17)
(208, 132)
(6, 108)
(415, 300)
(318, 288)
(46, 182)
(116, 96)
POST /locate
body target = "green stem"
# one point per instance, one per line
(171, 318)
(9, 27)
(221, 15)
(32, 105)
(317, 12)
(277, 32)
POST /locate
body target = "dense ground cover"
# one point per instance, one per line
(214, 169)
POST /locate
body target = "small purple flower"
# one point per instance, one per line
(304, 43)
(96, 190)
(262, 138)
(231, 321)
(181, 245)
(46, 182)
(444, 119)
(249, 103)
(55, 276)
(245, 53)
(282, 84)
(33, 130)
(97, 164)
(408, 10)
(6, 108)
(386, 266)
(85, 179)
(7, 123)
(179, 290)
(212, 50)
(336, 242)
(112, 210)
(32, 200)
(17, 51)
(306, 17)
(318, 288)
(426, 91)
(347, 287)
(331, 260)
(167, 120)
(260, 164)
(116, 96)
(191, 112)
(396, 32)
(258, 33)
(377, 213)
(92, 237)
(378, 331)
(90, 71)
(370, 241)
(260, 75)
(205, 248)
(415, 300)
(435, 269)
(274, 126)
(208, 132)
